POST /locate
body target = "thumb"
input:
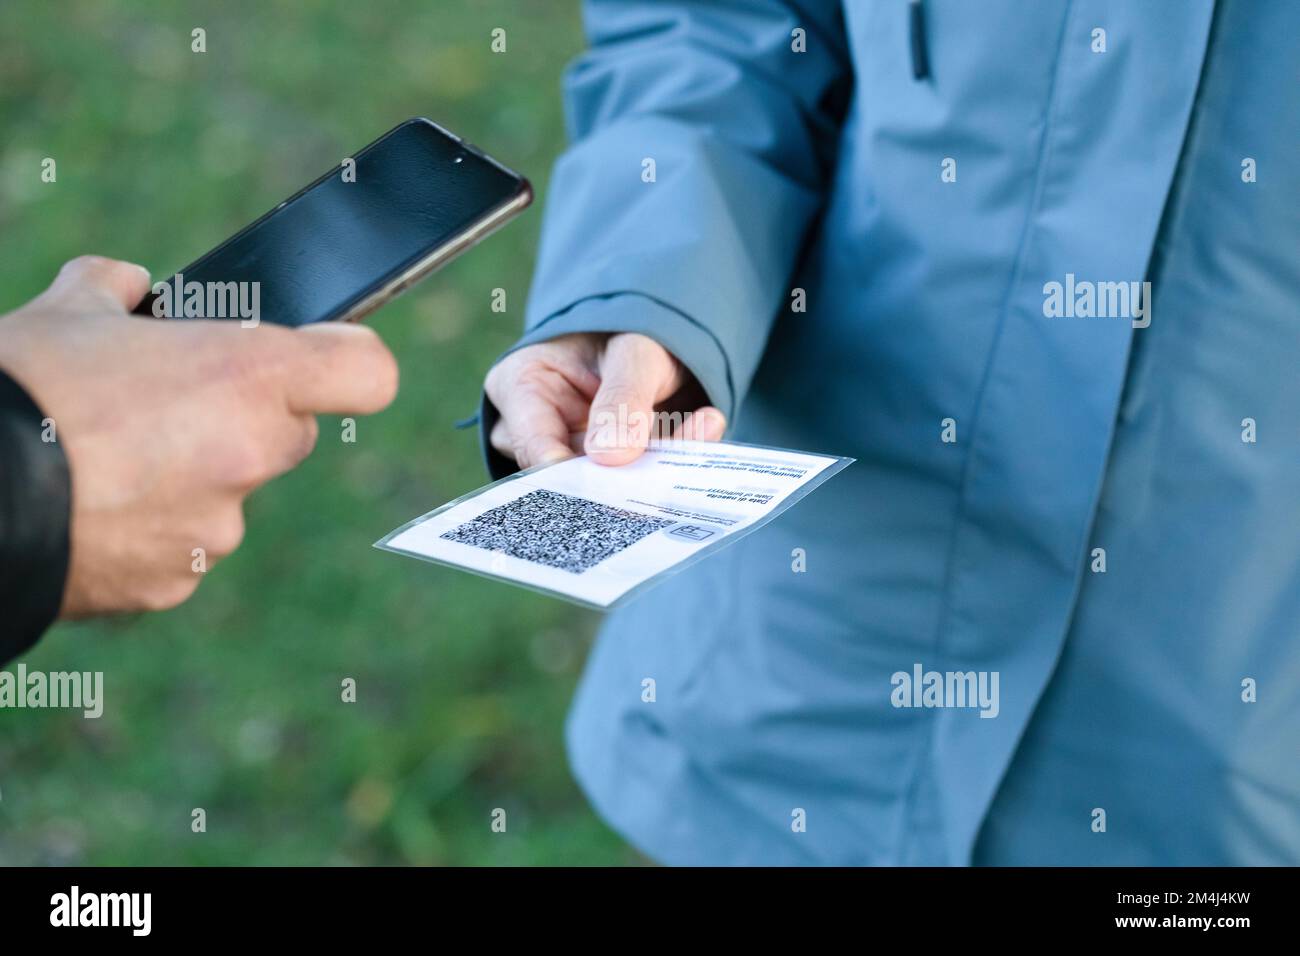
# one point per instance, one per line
(622, 413)
(119, 285)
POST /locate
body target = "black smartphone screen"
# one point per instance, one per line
(321, 252)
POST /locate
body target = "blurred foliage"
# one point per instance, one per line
(232, 703)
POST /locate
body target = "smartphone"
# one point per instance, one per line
(361, 234)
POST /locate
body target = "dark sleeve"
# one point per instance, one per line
(35, 496)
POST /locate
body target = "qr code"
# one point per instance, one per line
(559, 531)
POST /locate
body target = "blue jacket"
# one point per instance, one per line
(922, 244)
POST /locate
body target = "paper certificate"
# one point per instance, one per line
(595, 534)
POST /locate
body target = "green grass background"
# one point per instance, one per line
(232, 702)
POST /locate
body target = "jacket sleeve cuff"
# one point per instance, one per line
(691, 343)
(35, 513)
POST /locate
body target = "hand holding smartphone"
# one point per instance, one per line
(356, 237)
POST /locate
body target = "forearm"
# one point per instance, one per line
(696, 194)
(680, 209)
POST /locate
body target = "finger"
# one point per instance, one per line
(553, 369)
(339, 369)
(650, 361)
(535, 430)
(295, 441)
(622, 414)
(499, 438)
(703, 424)
(123, 284)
